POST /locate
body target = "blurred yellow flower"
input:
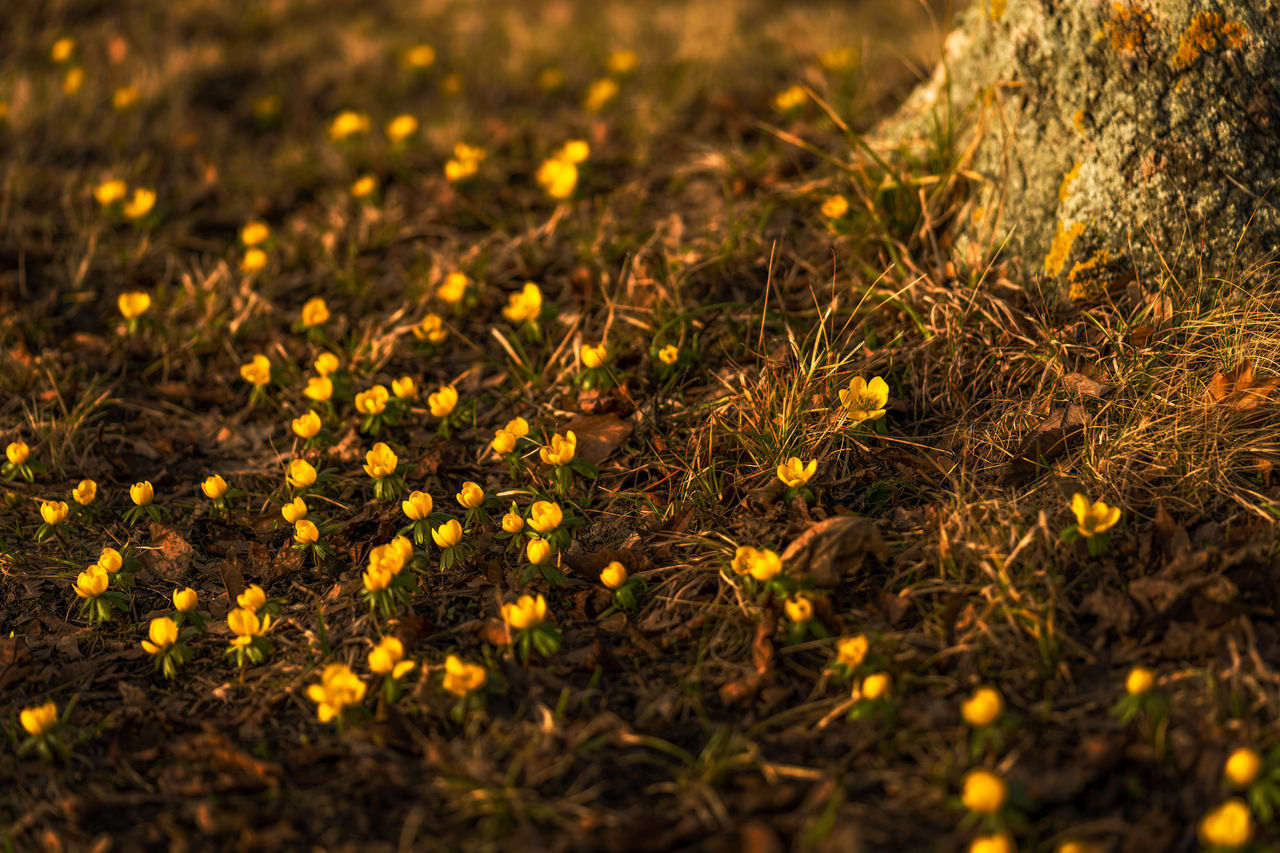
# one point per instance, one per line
(594, 356)
(364, 186)
(214, 487)
(876, 686)
(39, 719)
(545, 516)
(795, 473)
(92, 582)
(1230, 825)
(983, 791)
(453, 288)
(599, 94)
(418, 506)
(405, 388)
(142, 493)
(1139, 681)
(835, 207)
(526, 612)
(557, 177)
(141, 203)
(110, 560)
(348, 123)
(1095, 518)
(246, 625)
(419, 56)
(462, 678)
(63, 49)
(465, 162)
(73, 80)
(294, 511)
(518, 427)
(442, 402)
(790, 98)
(1001, 843)
(338, 688)
(315, 312)
(253, 260)
(387, 658)
(538, 551)
(326, 363)
(622, 61)
(185, 600)
(431, 329)
(133, 304)
(161, 635)
(1242, 767)
(301, 474)
(863, 400)
(837, 59)
(377, 577)
(799, 609)
(84, 493)
(253, 598)
(503, 442)
(852, 651)
(54, 512)
(319, 388)
(257, 371)
(124, 98)
(373, 401)
(110, 192)
(574, 151)
(307, 426)
(448, 534)
(765, 565)
(402, 127)
(381, 461)
(17, 452)
(254, 233)
(561, 449)
(613, 575)
(983, 708)
(669, 354)
(525, 306)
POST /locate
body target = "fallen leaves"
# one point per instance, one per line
(1057, 433)
(1238, 390)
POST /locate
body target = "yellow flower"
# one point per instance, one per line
(92, 582)
(373, 401)
(852, 651)
(39, 719)
(790, 98)
(983, 708)
(442, 402)
(525, 306)
(1093, 519)
(594, 356)
(1228, 825)
(448, 534)
(124, 98)
(453, 288)
(983, 791)
(133, 304)
(419, 56)
(246, 625)
(876, 686)
(301, 474)
(142, 493)
(503, 442)
(614, 575)
(557, 177)
(518, 427)
(837, 59)
(185, 600)
(526, 612)
(799, 609)
(307, 426)
(319, 388)
(73, 80)
(431, 329)
(669, 354)
(162, 634)
(378, 577)
(766, 565)
(253, 260)
(1242, 767)
(315, 312)
(1139, 681)
(863, 400)
(257, 371)
(17, 452)
(622, 61)
(54, 512)
(348, 123)
(459, 170)
(85, 492)
(110, 192)
(462, 678)
(835, 207)
(545, 516)
(471, 496)
(418, 506)
(992, 844)
(561, 450)
(599, 93)
(294, 511)
(252, 599)
(386, 658)
(402, 127)
(254, 233)
(364, 186)
(538, 551)
(141, 203)
(405, 388)
(795, 473)
(381, 461)
(305, 532)
(512, 522)
(742, 559)
(469, 153)
(338, 688)
(214, 487)
(326, 363)
(574, 151)
(110, 561)
(62, 50)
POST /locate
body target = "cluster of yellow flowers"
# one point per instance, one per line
(558, 174)
(113, 194)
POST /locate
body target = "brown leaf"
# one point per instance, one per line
(599, 435)
(1238, 389)
(743, 689)
(1051, 439)
(833, 548)
(1080, 384)
(170, 556)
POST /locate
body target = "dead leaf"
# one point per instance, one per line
(1238, 389)
(831, 549)
(1078, 383)
(742, 689)
(1052, 438)
(599, 435)
(170, 557)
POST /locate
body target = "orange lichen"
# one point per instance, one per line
(1085, 278)
(1067, 180)
(996, 9)
(1077, 121)
(1128, 26)
(1062, 243)
(1209, 31)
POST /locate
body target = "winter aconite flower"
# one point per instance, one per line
(373, 401)
(294, 511)
(790, 98)
(1242, 767)
(17, 452)
(443, 401)
(448, 534)
(453, 288)
(109, 192)
(257, 371)
(1093, 519)
(418, 57)
(185, 600)
(315, 312)
(525, 306)
(503, 442)
(255, 233)
(62, 51)
(214, 487)
(545, 516)
(253, 260)
(387, 658)
(142, 494)
(471, 496)
(1139, 681)
(417, 506)
(560, 450)
(431, 329)
(526, 612)
(613, 575)
(301, 474)
(835, 207)
(1230, 825)
(85, 492)
(558, 178)
(983, 708)
(39, 719)
(852, 651)
(162, 634)
(253, 598)
(133, 304)
(326, 363)
(465, 162)
(305, 532)
(380, 461)
(248, 642)
(401, 127)
(599, 94)
(863, 400)
(876, 686)
(983, 792)
(91, 583)
(405, 388)
(364, 186)
(462, 678)
(512, 522)
(799, 609)
(795, 473)
(538, 551)
(319, 388)
(1000, 843)
(306, 426)
(54, 512)
(669, 355)
(338, 688)
(140, 205)
(347, 124)
(765, 566)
